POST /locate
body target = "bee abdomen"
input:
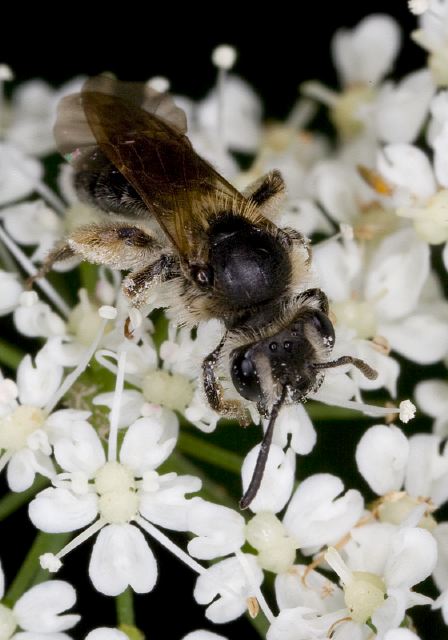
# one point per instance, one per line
(107, 189)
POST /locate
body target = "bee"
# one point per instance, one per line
(215, 252)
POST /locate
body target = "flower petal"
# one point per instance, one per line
(294, 420)
(381, 456)
(277, 482)
(427, 471)
(58, 510)
(366, 53)
(39, 608)
(37, 383)
(106, 633)
(202, 634)
(81, 450)
(299, 588)
(228, 580)
(18, 174)
(149, 441)
(219, 530)
(412, 558)
(432, 397)
(120, 558)
(20, 472)
(165, 504)
(440, 575)
(316, 516)
(421, 337)
(10, 290)
(409, 170)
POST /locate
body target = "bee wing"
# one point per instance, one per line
(146, 141)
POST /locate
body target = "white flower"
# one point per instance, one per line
(226, 586)
(315, 515)
(37, 613)
(433, 37)
(24, 437)
(389, 461)
(389, 294)
(19, 174)
(377, 575)
(33, 115)
(202, 634)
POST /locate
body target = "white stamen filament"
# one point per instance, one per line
(31, 270)
(319, 92)
(115, 411)
(168, 544)
(367, 409)
(74, 375)
(301, 113)
(82, 537)
(256, 589)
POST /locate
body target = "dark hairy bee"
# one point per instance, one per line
(175, 221)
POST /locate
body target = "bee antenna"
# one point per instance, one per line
(260, 465)
(365, 369)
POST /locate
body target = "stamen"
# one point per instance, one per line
(302, 112)
(116, 405)
(319, 92)
(159, 83)
(82, 537)
(31, 270)
(255, 587)
(168, 544)
(368, 409)
(223, 57)
(74, 375)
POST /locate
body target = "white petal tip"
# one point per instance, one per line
(407, 410)
(107, 312)
(224, 56)
(50, 562)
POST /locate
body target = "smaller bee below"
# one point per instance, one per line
(217, 252)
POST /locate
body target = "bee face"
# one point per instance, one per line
(286, 359)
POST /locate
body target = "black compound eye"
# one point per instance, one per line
(245, 377)
(323, 324)
(203, 275)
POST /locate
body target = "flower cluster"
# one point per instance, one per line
(105, 410)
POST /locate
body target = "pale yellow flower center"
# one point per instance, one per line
(116, 487)
(170, 390)
(345, 112)
(16, 428)
(84, 321)
(395, 508)
(276, 550)
(364, 594)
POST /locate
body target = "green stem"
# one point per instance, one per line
(320, 411)
(30, 573)
(89, 277)
(201, 450)
(124, 604)
(13, 501)
(10, 355)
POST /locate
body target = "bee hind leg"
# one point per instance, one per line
(136, 284)
(215, 392)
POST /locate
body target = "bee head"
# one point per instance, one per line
(286, 359)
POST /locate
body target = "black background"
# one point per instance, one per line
(276, 53)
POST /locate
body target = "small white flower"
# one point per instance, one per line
(10, 291)
(19, 174)
(37, 613)
(106, 633)
(432, 398)
(202, 634)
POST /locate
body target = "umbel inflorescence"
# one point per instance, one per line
(96, 421)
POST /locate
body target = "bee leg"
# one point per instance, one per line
(295, 237)
(317, 295)
(215, 393)
(137, 283)
(267, 190)
(59, 254)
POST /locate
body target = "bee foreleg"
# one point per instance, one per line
(215, 392)
(136, 284)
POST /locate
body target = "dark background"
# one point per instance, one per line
(276, 53)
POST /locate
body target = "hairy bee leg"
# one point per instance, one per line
(215, 393)
(120, 246)
(136, 284)
(319, 296)
(304, 242)
(61, 253)
(267, 190)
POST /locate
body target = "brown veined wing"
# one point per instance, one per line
(142, 133)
